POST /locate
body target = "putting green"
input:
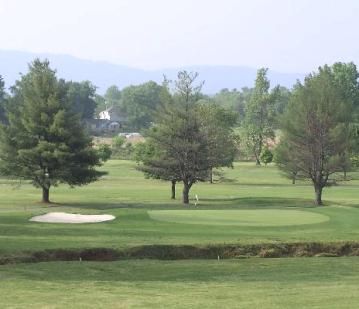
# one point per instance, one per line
(256, 217)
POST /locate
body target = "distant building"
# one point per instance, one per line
(114, 113)
(111, 120)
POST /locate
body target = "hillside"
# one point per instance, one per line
(104, 74)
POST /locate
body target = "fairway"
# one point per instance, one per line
(258, 217)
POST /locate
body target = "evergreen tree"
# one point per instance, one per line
(44, 141)
(153, 165)
(266, 156)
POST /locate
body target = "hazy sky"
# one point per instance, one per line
(288, 36)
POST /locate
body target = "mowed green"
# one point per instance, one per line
(257, 217)
(250, 283)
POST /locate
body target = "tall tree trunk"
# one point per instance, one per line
(45, 195)
(185, 195)
(318, 195)
(345, 174)
(293, 180)
(257, 161)
(211, 175)
(173, 189)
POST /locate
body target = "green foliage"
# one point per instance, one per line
(144, 152)
(217, 124)
(44, 141)
(81, 97)
(104, 152)
(258, 124)
(316, 128)
(354, 160)
(121, 149)
(2, 101)
(113, 96)
(234, 100)
(140, 103)
(118, 142)
(180, 143)
(266, 156)
(100, 104)
(2, 88)
(285, 161)
(282, 96)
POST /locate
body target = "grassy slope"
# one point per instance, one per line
(126, 194)
(251, 283)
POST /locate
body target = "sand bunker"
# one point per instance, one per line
(63, 217)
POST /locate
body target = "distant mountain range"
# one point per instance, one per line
(104, 74)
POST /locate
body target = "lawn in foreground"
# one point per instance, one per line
(249, 283)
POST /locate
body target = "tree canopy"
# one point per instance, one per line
(81, 97)
(180, 145)
(140, 103)
(258, 123)
(317, 127)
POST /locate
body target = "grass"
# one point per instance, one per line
(250, 283)
(250, 205)
(243, 217)
(127, 195)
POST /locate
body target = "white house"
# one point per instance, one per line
(114, 113)
(109, 120)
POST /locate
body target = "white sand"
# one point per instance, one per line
(63, 217)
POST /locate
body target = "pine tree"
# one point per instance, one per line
(44, 141)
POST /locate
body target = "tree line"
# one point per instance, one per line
(310, 130)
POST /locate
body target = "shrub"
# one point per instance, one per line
(104, 151)
(266, 156)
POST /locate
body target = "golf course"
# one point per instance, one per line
(246, 206)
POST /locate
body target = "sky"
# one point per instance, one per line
(286, 36)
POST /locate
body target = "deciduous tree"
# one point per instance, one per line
(316, 128)
(258, 121)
